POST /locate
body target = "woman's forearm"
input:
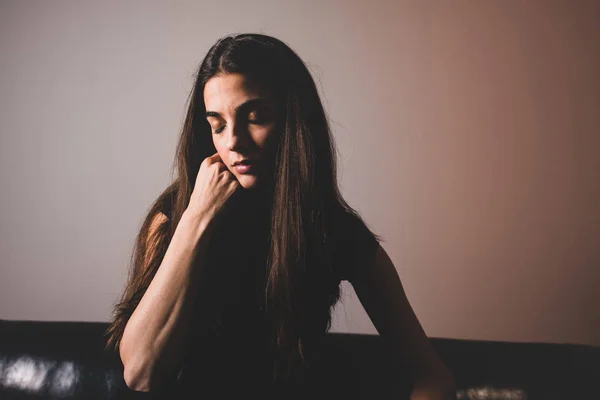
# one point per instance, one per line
(155, 334)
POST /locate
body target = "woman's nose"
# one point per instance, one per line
(238, 138)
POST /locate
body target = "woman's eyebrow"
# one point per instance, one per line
(245, 105)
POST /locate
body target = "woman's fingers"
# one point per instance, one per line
(214, 158)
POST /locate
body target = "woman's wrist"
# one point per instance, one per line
(200, 222)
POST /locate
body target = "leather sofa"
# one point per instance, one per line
(66, 360)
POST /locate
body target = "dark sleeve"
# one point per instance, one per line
(355, 245)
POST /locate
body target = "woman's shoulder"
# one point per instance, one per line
(354, 243)
(347, 225)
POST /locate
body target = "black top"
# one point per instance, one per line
(228, 349)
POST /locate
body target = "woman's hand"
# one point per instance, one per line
(214, 186)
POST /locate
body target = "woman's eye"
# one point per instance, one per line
(255, 120)
(252, 119)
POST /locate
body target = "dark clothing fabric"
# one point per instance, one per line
(230, 349)
(354, 245)
(333, 377)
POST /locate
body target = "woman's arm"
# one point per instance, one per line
(153, 338)
(381, 293)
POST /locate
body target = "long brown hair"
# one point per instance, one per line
(300, 291)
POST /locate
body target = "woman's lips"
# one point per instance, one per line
(245, 168)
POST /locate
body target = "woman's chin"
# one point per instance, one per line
(248, 181)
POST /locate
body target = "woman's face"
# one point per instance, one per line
(243, 118)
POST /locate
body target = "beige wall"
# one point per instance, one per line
(469, 137)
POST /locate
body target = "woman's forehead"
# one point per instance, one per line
(224, 92)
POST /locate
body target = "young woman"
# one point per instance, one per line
(237, 265)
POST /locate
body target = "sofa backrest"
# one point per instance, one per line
(65, 360)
